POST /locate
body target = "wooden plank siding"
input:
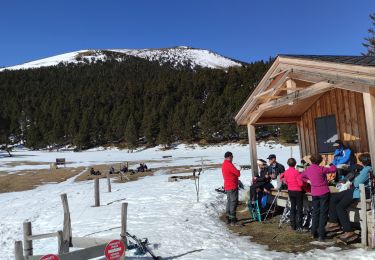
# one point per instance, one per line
(350, 120)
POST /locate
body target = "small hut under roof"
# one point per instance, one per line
(328, 97)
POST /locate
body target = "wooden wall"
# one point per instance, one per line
(350, 120)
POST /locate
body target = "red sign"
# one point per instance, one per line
(49, 257)
(114, 250)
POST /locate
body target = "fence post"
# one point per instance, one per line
(363, 215)
(60, 242)
(18, 250)
(28, 244)
(124, 217)
(97, 195)
(109, 182)
(67, 228)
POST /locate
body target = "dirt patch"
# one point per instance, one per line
(18, 163)
(268, 233)
(30, 179)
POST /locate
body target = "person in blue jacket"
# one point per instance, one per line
(342, 154)
(342, 200)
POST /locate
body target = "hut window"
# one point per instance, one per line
(326, 133)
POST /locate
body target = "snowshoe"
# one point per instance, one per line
(348, 240)
(254, 210)
(220, 190)
(335, 233)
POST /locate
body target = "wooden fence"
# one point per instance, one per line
(90, 247)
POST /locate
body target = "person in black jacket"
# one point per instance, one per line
(261, 181)
(275, 169)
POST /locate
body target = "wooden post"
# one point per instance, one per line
(96, 190)
(253, 149)
(363, 215)
(60, 242)
(67, 228)
(18, 250)
(124, 218)
(28, 244)
(109, 182)
(369, 104)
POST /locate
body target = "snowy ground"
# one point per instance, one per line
(165, 212)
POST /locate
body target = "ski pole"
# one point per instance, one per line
(277, 195)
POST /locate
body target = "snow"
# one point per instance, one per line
(165, 212)
(181, 55)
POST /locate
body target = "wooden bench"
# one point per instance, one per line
(361, 217)
(60, 161)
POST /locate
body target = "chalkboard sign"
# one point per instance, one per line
(326, 133)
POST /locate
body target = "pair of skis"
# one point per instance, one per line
(141, 246)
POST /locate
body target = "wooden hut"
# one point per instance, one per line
(328, 97)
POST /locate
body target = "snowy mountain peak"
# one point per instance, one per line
(177, 56)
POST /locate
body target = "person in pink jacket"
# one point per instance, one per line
(293, 180)
(317, 176)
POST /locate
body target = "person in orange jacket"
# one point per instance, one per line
(230, 175)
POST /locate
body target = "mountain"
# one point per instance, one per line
(176, 56)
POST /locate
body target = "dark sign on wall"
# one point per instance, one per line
(326, 133)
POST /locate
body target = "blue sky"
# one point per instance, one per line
(247, 30)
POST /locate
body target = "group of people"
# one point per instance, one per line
(329, 210)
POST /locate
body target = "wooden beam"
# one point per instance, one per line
(87, 253)
(369, 104)
(41, 236)
(28, 244)
(316, 89)
(124, 220)
(85, 242)
(335, 68)
(349, 83)
(253, 149)
(18, 250)
(277, 120)
(363, 215)
(67, 227)
(275, 91)
(290, 86)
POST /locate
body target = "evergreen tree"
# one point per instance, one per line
(131, 136)
(288, 133)
(369, 43)
(103, 102)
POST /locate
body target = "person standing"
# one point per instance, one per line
(275, 169)
(317, 175)
(294, 182)
(230, 175)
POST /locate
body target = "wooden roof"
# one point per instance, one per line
(295, 82)
(353, 60)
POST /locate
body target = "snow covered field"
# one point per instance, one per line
(165, 212)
